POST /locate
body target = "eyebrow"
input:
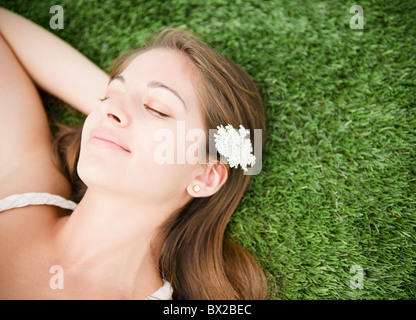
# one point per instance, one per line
(155, 85)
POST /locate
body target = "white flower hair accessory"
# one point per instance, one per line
(234, 146)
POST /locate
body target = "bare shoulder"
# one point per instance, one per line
(21, 225)
(25, 239)
(27, 227)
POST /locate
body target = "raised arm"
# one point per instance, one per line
(54, 65)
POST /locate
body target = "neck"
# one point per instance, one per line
(107, 239)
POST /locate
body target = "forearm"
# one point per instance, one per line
(54, 65)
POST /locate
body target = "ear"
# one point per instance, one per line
(209, 182)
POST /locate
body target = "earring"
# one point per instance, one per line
(196, 188)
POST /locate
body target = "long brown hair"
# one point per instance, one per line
(193, 253)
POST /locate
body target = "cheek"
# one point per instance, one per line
(179, 146)
(156, 167)
(163, 165)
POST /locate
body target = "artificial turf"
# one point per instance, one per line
(335, 200)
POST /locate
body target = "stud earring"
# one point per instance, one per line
(196, 188)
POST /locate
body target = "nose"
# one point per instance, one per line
(115, 112)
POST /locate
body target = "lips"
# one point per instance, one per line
(108, 140)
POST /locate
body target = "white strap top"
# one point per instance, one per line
(163, 293)
(43, 198)
(35, 198)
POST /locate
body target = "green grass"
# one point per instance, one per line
(337, 187)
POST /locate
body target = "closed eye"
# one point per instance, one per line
(157, 113)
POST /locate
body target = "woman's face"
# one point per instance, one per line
(125, 140)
